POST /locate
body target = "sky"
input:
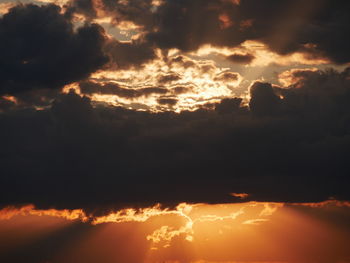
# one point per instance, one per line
(179, 131)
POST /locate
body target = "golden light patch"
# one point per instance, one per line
(192, 217)
(244, 232)
(263, 56)
(73, 86)
(201, 82)
(60, 3)
(6, 6)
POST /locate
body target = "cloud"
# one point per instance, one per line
(110, 88)
(291, 145)
(40, 49)
(195, 82)
(263, 100)
(316, 28)
(167, 101)
(241, 58)
(29, 210)
(124, 55)
(227, 77)
(168, 78)
(227, 106)
(158, 234)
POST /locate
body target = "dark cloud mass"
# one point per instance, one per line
(317, 27)
(291, 145)
(241, 58)
(284, 143)
(40, 49)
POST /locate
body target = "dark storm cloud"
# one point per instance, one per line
(227, 106)
(189, 24)
(168, 78)
(167, 101)
(241, 59)
(88, 87)
(263, 100)
(291, 145)
(318, 27)
(227, 76)
(136, 11)
(40, 49)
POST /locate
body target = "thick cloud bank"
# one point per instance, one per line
(292, 144)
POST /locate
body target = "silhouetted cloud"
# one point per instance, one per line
(263, 100)
(227, 76)
(318, 27)
(241, 58)
(287, 142)
(291, 145)
(228, 105)
(40, 49)
(167, 101)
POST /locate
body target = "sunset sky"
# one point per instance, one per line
(178, 131)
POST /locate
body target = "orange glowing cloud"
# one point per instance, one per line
(5, 6)
(240, 195)
(327, 203)
(202, 233)
(10, 98)
(191, 215)
(9, 212)
(225, 21)
(290, 77)
(263, 56)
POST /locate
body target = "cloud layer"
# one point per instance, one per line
(291, 144)
(190, 127)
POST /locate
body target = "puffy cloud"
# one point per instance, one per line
(263, 100)
(241, 58)
(40, 49)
